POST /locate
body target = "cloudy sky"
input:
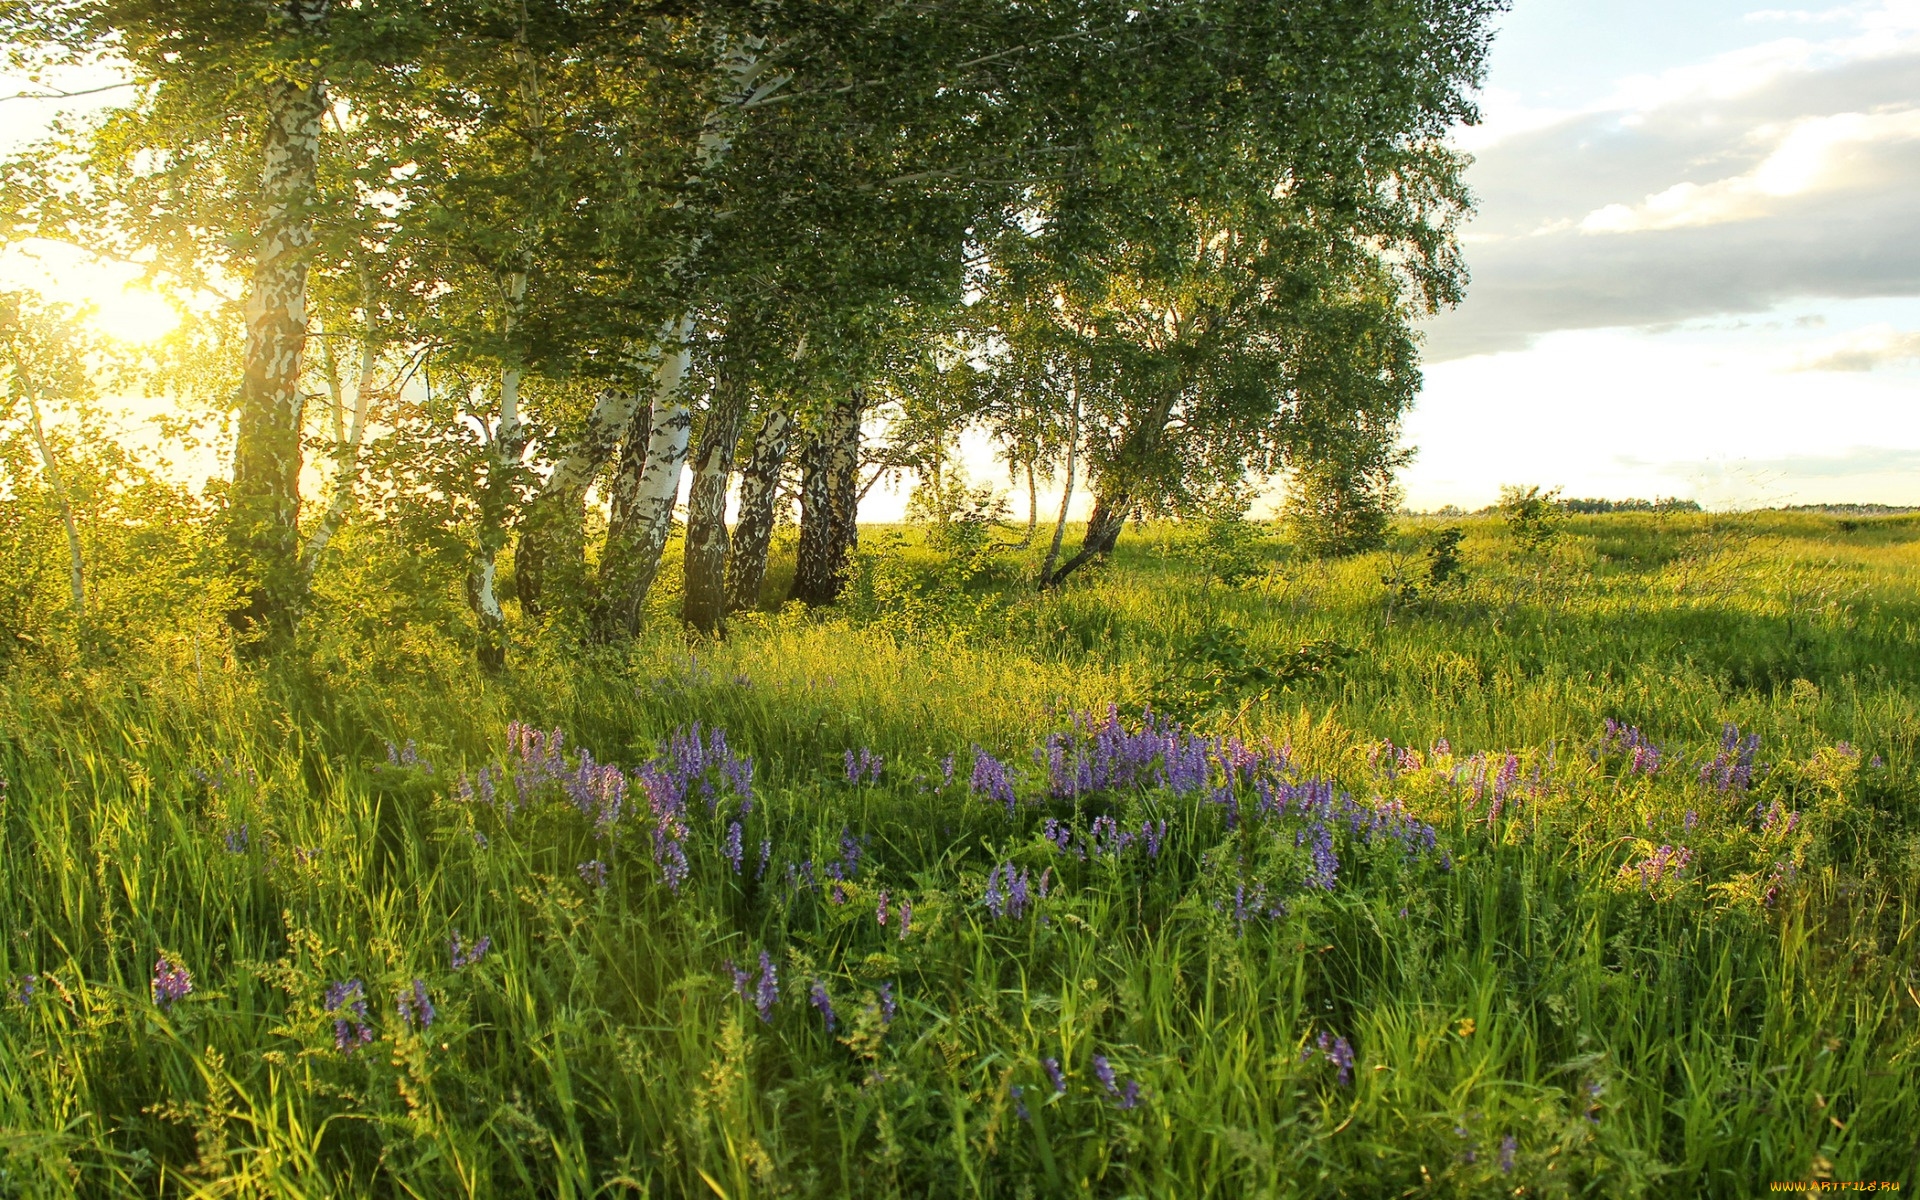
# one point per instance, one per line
(1696, 264)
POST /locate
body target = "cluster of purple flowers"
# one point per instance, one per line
(1667, 862)
(1778, 817)
(1251, 902)
(1097, 755)
(22, 987)
(733, 849)
(483, 786)
(236, 840)
(1643, 757)
(817, 996)
(888, 1008)
(348, 999)
(866, 765)
(1335, 1050)
(763, 995)
(903, 913)
(847, 865)
(172, 982)
(407, 756)
(1733, 768)
(464, 955)
(990, 779)
(1323, 865)
(1011, 892)
(598, 791)
(593, 872)
(1471, 777)
(413, 1006)
(1124, 1097)
(1105, 838)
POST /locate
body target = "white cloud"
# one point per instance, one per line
(1809, 155)
(1870, 349)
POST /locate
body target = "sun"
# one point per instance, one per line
(123, 308)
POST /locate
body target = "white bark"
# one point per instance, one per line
(347, 438)
(667, 441)
(77, 577)
(1066, 494)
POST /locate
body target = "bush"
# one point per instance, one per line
(1336, 509)
(1533, 516)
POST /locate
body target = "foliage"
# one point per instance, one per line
(1337, 507)
(1219, 673)
(1232, 549)
(1533, 517)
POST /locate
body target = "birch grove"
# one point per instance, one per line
(609, 241)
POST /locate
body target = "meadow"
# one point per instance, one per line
(1590, 867)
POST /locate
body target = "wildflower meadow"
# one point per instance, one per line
(1586, 870)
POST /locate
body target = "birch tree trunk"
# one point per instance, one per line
(644, 490)
(705, 558)
(1104, 523)
(263, 516)
(646, 487)
(76, 565)
(828, 530)
(496, 498)
(549, 559)
(347, 439)
(753, 527)
(1066, 493)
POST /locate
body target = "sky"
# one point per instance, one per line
(1696, 261)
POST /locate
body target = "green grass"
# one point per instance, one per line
(1750, 1018)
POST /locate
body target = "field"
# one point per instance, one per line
(1591, 870)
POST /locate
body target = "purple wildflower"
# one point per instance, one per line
(888, 1009)
(348, 999)
(990, 780)
(817, 995)
(766, 852)
(732, 848)
(1054, 1073)
(594, 872)
(1508, 1145)
(768, 992)
(1019, 1105)
(415, 1006)
(465, 956)
(236, 840)
(171, 982)
(906, 916)
(880, 912)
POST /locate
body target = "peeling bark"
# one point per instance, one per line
(551, 552)
(753, 528)
(1104, 523)
(705, 557)
(644, 490)
(264, 503)
(830, 461)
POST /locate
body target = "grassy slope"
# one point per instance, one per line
(1689, 1037)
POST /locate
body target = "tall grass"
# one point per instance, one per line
(1539, 1001)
